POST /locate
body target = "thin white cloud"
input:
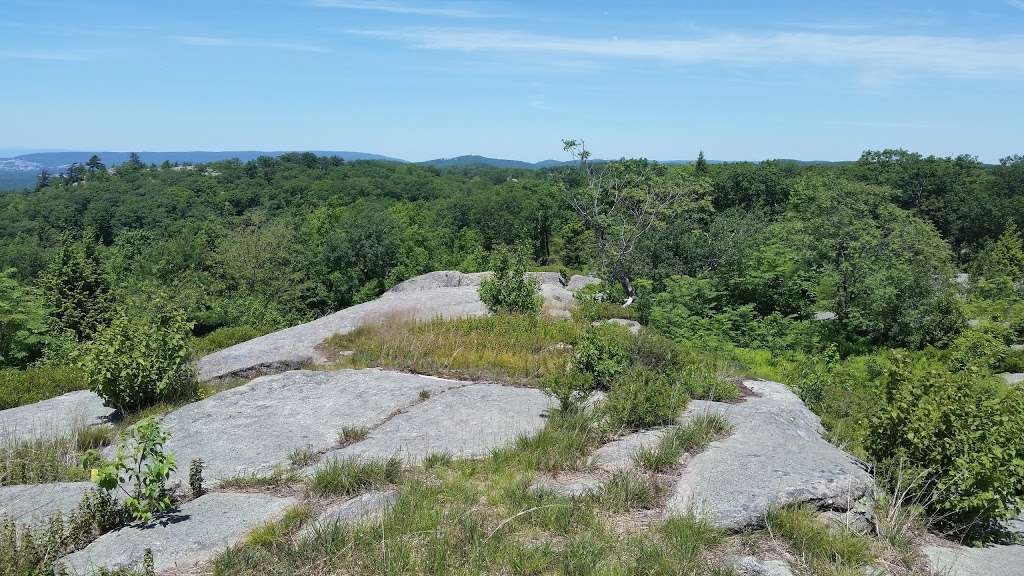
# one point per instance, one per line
(221, 42)
(1019, 4)
(448, 10)
(945, 55)
(45, 56)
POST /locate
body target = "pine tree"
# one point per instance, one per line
(700, 168)
(95, 164)
(76, 289)
(43, 180)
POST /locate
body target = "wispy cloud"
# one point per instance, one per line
(945, 55)
(222, 42)
(1019, 4)
(464, 10)
(45, 56)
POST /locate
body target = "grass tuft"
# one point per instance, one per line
(692, 437)
(821, 547)
(627, 490)
(348, 477)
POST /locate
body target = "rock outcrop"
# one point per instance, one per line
(34, 504)
(253, 428)
(775, 456)
(54, 418)
(437, 294)
(466, 422)
(359, 509)
(180, 540)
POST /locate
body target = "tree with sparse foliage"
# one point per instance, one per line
(623, 202)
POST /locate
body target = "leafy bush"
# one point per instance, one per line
(569, 387)
(140, 360)
(978, 350)
(641, 398)
(963, 434)
(140, 470)
(509, 289)
(602, 352)
(22, 322)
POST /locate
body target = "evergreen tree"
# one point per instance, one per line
(76, 289)
(43, 180)
(95, 164)
(700, 168)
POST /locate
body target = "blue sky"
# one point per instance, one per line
(420, 80)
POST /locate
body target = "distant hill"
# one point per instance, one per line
(473, 160)
(21, 171)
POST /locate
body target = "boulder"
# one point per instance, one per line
(181, 540)
(633, 326)
(363, 507)
(463, 422)
(578, 281)
(1014, 378)
(253, 428)
(34, 504)
(54, 418)
(775, 456)
(437, 294)
(825, 316)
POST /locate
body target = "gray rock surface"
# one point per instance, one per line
(437, 294)
(363, 507)
(825, 315)
(567, 487)
(775, 456)
(752, 566)
(633, 326)
(184, 539)
(618, 454)
(1012, 378)
(254, 427)
(34, 504)
(53, 418)
(464, 422)
(577, 282)
(964, 561)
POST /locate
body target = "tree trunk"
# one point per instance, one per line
(627, 287)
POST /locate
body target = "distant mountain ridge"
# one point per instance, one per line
(21, 171)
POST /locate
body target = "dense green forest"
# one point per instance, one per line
(844, 281)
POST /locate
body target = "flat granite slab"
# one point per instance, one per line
(964, 561)
(359, 509)
(444, 294)
(465, 422)
(775, 456)
(184, 539)
(619, 454)
(253, 428)
(53, 418)
(34, 504)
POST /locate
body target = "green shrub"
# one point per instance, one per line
(22, 322)
(140, 470)
(965, 435)
(139, 361)
(569, 387)
(980, 350)
(20, 387)
(641, 398)
(602, 352)
(509, 289)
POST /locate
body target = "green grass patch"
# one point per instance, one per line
(222, 338)
(821, 547)
(279, 477)
(692, 437)
(348, 477)
(627, 490)
(498, 347)
(563, 444)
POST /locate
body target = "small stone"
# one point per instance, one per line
(1014, 378)
(56, 417)
(361, 508)
(181, 540)
(752, 566)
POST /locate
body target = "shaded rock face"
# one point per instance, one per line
(34, 504)
(253, 428)
(359, 509)
(54, 418)
(775, 456)
(184, 539)
(444, 294)
(465, 422)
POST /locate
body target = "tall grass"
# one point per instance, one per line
(692, 437)
(348, 477)
(499, 347)
(823, 548)
(50, 459)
